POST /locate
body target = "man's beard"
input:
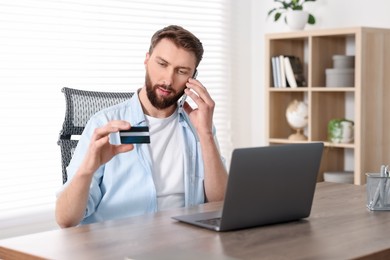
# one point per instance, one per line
(158, 101)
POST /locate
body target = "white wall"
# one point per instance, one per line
(250, 23)
(241, 81)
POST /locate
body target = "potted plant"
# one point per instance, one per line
(340, 130)
(295, 16)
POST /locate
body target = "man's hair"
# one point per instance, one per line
(181, 38)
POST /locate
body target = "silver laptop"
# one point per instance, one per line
(267, 185)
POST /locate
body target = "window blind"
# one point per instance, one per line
(93, 45)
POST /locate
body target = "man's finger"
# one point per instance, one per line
(111, 127)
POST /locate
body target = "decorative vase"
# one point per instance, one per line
(297, 19)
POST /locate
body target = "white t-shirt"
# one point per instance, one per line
(166, 148)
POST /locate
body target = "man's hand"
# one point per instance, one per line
(100, 150)
(201, 117)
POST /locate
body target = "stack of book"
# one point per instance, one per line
(287, 71)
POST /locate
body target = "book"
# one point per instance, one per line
(283, 82)
(277, 71)
(289, 73)
(297, 68)
(274, 72)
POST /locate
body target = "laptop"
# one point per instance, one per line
(266, 185)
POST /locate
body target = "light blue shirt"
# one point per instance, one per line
(124, 186)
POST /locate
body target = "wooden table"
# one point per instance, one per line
(339, 227)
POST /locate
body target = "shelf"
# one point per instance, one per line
(326, 143)
(314, 89)
(302, 89)
(339, 145)
(363, 103)
(328, 89)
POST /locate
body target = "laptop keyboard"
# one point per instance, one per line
(212, 221)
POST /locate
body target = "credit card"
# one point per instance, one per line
(135, 135)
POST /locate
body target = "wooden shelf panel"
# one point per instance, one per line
(300, 89)
(326, 143)
(328, 89)
(312, 89)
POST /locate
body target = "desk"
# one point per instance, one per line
(339, 227)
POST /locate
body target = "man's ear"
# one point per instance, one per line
(147, 57)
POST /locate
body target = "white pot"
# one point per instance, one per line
(297, 19)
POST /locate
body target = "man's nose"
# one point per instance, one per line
(168, 78)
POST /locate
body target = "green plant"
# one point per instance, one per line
(335, 129)
(290, 5)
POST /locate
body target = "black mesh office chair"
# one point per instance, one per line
(80, 106)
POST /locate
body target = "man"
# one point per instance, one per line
(180, 167)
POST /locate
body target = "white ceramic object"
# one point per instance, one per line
(343, 61)
(347, 132)
(297, 19)
(340, 77)
(339, 177)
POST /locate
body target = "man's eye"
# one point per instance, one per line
(163, 64)
(183, 72)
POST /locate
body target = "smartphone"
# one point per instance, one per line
(184, 97)
(135, 135)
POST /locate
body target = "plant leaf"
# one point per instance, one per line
(298, 7)
(311, 19)
(271, 11)
(277, 16)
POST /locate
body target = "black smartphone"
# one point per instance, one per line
(184, 97)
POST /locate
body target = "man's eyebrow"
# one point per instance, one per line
(161, 59)
(165, 61)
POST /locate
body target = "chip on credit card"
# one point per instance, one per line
(135, 135)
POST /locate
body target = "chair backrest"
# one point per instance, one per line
(80, 106)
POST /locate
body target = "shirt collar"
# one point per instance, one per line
(137, 113)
